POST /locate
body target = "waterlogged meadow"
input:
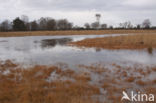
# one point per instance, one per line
(56, 69)
(89, 84)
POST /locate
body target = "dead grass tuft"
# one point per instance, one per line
(140, 82)
(130, 79)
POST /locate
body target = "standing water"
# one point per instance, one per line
(50, 50)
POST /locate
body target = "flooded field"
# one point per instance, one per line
(43, 69)
(50, 50)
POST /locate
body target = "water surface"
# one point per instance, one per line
(49, 50)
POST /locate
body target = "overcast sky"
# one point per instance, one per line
(81, 11)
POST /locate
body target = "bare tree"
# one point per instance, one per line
(5, 25)
(42, 23)
(69, 26)
(103, 26)
(63, 24)
(87, 26)
(146, 24)
(51, 24)
(33, 26)
(126, 25)
(25, 19)
(129, 25)
(95, 25)
(111, 27)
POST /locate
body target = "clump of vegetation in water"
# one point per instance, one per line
(150, 50)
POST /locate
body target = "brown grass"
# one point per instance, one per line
(72, 32)
(130, 79)
(32, 85)
(121, 42)
(140, 82)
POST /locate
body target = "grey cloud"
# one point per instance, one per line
(118, 9)
(88, 4)
(72, 4)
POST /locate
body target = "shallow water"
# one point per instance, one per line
(49, 50)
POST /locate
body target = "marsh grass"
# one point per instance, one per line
(43, 84)
(31, 85)
(72, 32)
(137, 41)
(150, 50)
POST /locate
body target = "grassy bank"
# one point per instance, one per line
(72, 32)
(147, 40)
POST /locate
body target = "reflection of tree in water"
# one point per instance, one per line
(53, 42)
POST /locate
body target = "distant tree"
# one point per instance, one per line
(126, 25)
(27, 26)
(146, 24)
(63, 24)
(51, 24)
(18, 25)
(25, 19)
(33, 26)
(69, 26)
(78, 28)
(42, 23)
(95, 25)
(5, 26)
(103, 26)
(129, 25)
(153, 27)
(138, 26)
(87, 26)
(121, 25)
(111, 27)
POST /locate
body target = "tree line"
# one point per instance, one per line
(146, 24)
(22, 24)
(47, 23)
